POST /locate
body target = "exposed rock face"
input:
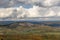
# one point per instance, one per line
(26, 24)
(14, 25)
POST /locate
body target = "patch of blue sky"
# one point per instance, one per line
(27, 6)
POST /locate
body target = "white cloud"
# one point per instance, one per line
(5, 12)
(51, 2)
(37, 8)
(35, 11)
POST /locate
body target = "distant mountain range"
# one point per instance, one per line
(29, 23)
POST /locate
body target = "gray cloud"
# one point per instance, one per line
(17, 3)
(29, 8)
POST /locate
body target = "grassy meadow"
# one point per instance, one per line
(30, 32)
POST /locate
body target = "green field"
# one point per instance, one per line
(35, 32)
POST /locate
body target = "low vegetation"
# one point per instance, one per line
(28, 31)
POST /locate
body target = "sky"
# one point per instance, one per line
(30, 9)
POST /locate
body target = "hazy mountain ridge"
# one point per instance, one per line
(28, 26)
(13, 24)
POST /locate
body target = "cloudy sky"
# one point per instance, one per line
(30, 9)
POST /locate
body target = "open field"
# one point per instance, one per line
(29, 32)
(31, 36)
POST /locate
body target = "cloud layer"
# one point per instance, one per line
(28, 3)
(35, 11)
(21, 9)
